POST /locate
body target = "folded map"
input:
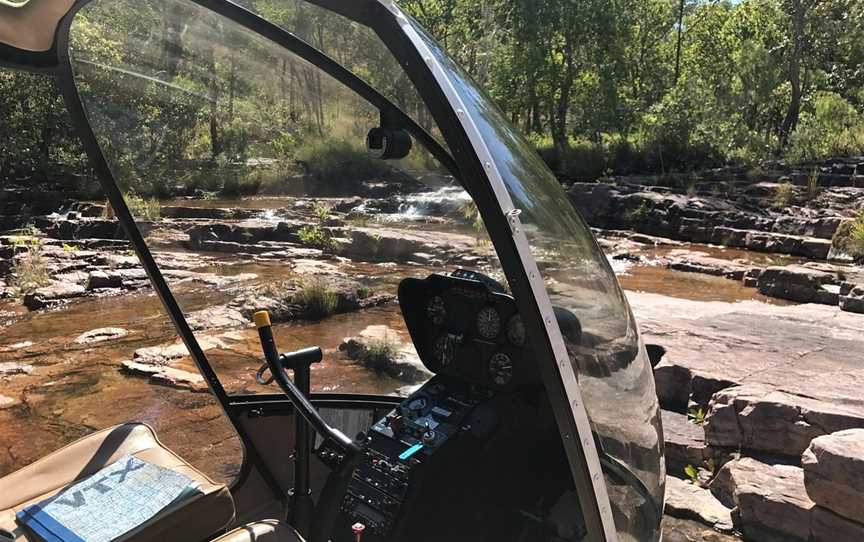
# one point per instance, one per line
(108, 505)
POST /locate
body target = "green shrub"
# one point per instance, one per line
(640, 214)
(317, 235)
(696, 416)
(830, 127)
(317, 298)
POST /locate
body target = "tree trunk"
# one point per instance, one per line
(680, 38)
(790, 122)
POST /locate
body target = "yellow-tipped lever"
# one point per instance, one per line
(261, 319)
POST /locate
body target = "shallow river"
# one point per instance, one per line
(71, 389)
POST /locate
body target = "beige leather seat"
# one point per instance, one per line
(262, 531)
(194, 521)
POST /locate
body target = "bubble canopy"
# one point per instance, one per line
(594, 367)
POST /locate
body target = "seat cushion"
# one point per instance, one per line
(191, 521)
(262, 531)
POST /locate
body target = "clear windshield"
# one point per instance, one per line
(604, 345)
(244, 166)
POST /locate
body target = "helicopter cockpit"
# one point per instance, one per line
(447, 352)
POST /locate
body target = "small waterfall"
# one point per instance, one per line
(439, 203)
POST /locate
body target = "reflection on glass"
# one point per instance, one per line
(614, 371)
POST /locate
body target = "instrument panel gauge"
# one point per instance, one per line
(488, 323)
(444, 349)
(516, 331)
(436, 311)
(501, 369)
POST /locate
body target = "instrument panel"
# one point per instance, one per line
(464, 325)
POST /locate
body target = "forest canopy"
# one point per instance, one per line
(599, 86)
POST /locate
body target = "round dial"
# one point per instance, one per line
(488, 323)
(444, 349)
(436, 311)
(501, 369)
(516, 331)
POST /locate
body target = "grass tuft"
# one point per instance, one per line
(317, 298)
(29, 271)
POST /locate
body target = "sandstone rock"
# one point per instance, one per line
(834, 473)
(685, 530)
(8, 368)
(771, 499)
(101, 279)
(89, 228)
(101, 335)
(372, 245)
(696, 263)
(16, 346)
(52, 295)
(169, 376)
(757, 417)
(685, 442)
(852, 298)
(688, 501)
(382, 349)
(803, 350)
(8, 402)
(829, 527)
(799, 283)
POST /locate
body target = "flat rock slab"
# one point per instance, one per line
(168, 376)
(14, 368)
(695, 262)
(101, 335)
(688, 501)
(834, 473)
(759, 417)
(53, 294)
(801, 284)
(803, 351)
